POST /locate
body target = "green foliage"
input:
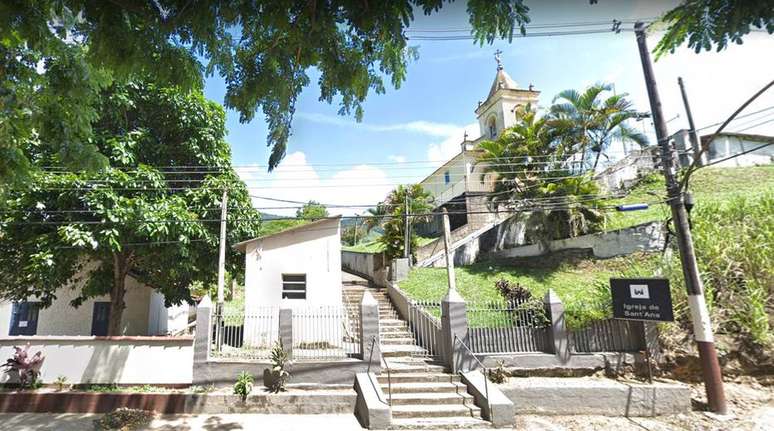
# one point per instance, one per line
(93, 229)
(560, 203)
(243, 385)
(416, 200)
(263, 51)
(61, 382)
(124, 419)
(279, 368)
(704, 23)
(311, 211)
(498, 374)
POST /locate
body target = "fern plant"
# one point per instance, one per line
(243, 385)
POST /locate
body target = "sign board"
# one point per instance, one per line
(645, 299)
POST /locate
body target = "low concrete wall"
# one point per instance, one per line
(341, 401)
(644, 237)
(592, 396)
(224, 373)
(371, 407)
(371, 266)
(495, 406)
(107, 360)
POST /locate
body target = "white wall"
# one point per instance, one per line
(119, 360)
(726, 146)
(314, 250)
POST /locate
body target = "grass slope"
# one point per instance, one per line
(733, 229)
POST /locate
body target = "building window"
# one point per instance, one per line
(100, 319)
(446, 177)
(492, 128)
(294, 286)
(24, 318)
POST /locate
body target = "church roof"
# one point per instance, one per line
(502, 80)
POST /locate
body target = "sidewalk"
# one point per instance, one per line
(225, 422)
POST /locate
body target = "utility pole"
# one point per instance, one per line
(694, 135)
(221, 267)
(406, 229)
(702, 326)
(447, 251)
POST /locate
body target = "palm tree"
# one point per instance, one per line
(416, 200)
(590, 123)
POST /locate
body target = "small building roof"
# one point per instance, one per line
(242, 246)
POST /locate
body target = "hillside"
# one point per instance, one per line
(733, 227)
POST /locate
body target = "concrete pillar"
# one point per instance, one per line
(558, 335)
(203, 335)
(399, 269)
(369, 331)
(286, 329)
(202, 341)
(454, 322)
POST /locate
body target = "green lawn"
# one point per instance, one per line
(375, 246)
(708, 184)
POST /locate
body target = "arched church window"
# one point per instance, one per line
(492, 128)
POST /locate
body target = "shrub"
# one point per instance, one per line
(512, 291)
(243, 385)
(124, 419)
(60, 383)
(498, 374)
(25, 366)
(279, 373)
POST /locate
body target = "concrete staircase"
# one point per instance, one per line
(423, 395)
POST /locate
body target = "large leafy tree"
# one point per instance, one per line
(533, 175)
(146, 214)
(405, 200)
(707, 23)
(57, 55)
(312, 210)
(589, 122)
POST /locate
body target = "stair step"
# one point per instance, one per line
(397, 340)
(424, 387)
(401, 350)
(435, 410)
(417, 378)
(432, 398)
(439, 423)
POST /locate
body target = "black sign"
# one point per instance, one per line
(641, 299)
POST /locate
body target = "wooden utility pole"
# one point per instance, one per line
(694, 134)
(447, 250)
(222, 256)
(702, 326)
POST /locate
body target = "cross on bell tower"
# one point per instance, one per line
(499, 61)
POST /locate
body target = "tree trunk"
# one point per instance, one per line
(596, 161)
(117, 292)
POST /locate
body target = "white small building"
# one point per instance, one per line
(145, 314)
(300, 266)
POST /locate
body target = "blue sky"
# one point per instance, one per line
(406, 132)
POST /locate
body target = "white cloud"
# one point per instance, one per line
(296, 180)
(449, 147)
(397, 159)
(423, 127)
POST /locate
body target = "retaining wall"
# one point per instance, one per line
(107, 360)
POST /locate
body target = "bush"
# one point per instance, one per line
(243, 385)
(498, 374)
(26, 367)
(279, 375)
(124, 419)
(512, 291)
(60, 383)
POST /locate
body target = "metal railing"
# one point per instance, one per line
(482, 368)
(245, 334)
(386, 366)
(608, 335)
(324, 332)
(508, 327)
(425, 325)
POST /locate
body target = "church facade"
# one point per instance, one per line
(462, 185)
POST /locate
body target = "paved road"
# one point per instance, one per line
(226, 422)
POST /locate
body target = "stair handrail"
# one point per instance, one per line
(389, 378)
(483, 370)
